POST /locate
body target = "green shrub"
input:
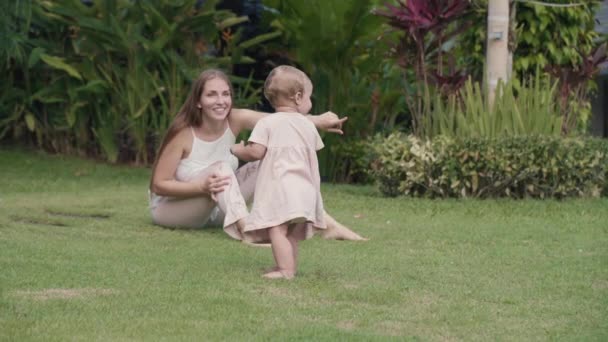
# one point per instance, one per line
(351, 159)
(516, 167)
(522, 108)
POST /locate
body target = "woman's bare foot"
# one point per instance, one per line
(337, 231)
(278, 275)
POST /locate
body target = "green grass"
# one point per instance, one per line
(80, 260)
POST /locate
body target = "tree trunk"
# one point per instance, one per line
(512, 38)
(497, 50)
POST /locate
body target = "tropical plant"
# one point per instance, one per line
(103, 78)
(336, 44)
(574, 86)
(539, 35)
(560, 40)
(427, 31)
(522, 108)
(26, 103)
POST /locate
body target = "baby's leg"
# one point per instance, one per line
(283, 253)
(297, 232)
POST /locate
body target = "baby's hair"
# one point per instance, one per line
(284, 82)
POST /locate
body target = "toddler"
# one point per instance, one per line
(287, 201)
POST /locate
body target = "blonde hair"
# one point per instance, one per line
(283, 83)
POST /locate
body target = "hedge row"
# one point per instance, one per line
(516, 167)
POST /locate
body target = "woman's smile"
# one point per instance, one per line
(216, 99)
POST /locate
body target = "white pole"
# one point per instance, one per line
(497, 51)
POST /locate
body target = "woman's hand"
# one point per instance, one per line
(329, 122)
(214, 184)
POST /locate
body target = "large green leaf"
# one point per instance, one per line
(34, 56)
(30, 121)
(94, 86)
(229, 22)
(259, 39)
(60, 64)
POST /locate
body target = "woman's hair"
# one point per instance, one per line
(190, 114)
(284, 82)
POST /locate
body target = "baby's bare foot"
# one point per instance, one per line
(278, 275)
(270, 269)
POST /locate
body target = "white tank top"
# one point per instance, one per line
(204, 153)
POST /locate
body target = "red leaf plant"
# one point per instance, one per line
(427, 25)
(573, 80)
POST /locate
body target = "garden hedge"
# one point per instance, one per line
(516, 167)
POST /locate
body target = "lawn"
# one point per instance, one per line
(80, 260)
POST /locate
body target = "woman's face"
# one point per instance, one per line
(216, 100)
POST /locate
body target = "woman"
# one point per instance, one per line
(195, 181)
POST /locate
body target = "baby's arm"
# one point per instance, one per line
(246, 119)
(249, 152)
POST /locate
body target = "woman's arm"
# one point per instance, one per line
(164, 182)
(241, 119)
(249, 152)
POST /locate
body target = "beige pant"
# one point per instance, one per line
(196, 212)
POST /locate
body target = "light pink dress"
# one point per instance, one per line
(288, 184)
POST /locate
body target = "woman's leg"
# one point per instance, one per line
(195, 212)
(183, 213)
(231, 202)
(192, 212)
(336, 231)
(247, 176)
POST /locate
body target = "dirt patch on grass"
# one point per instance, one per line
(278, 292)
(600, 285)
(350, 286)
(38, 221)
(391, 328)
(47, 294)
(346, 325)
(77, 214)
